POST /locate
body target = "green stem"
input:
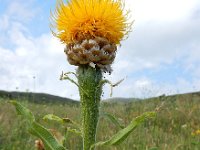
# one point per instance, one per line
(89, 80)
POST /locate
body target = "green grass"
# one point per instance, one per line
(171, 130)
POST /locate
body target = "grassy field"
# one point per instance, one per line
(173, 128)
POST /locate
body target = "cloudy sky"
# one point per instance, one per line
(160, 56)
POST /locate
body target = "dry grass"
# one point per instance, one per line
(171, 130)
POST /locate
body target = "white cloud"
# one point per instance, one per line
(161, 10)
(42, 57)
(4, 22)
(164, 33)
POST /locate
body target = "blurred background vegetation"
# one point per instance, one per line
(175, 127)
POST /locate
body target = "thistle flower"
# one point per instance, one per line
(91, 29)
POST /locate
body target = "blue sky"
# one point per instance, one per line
(160, 56)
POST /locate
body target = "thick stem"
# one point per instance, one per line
(90, 93)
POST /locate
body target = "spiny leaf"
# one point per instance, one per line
(74, 131)
(52, 117)
(123, 134)
(102, 82)
(21, 110)
(113, 119)
(47, 138)
(63, 121)
(36, 129)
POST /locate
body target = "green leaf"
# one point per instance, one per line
(123, 134)
(47, 138)
(113, 119)
(63, 121)
(52, 117)
(75, 131)
(38, 130)
(21, 110)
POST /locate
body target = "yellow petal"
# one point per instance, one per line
(82, 19)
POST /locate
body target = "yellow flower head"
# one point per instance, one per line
(86, 19)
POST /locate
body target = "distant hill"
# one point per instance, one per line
(48, 98)
(120, 99)
(36, 97)
(161, 97)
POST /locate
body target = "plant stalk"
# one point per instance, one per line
(90, 94)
